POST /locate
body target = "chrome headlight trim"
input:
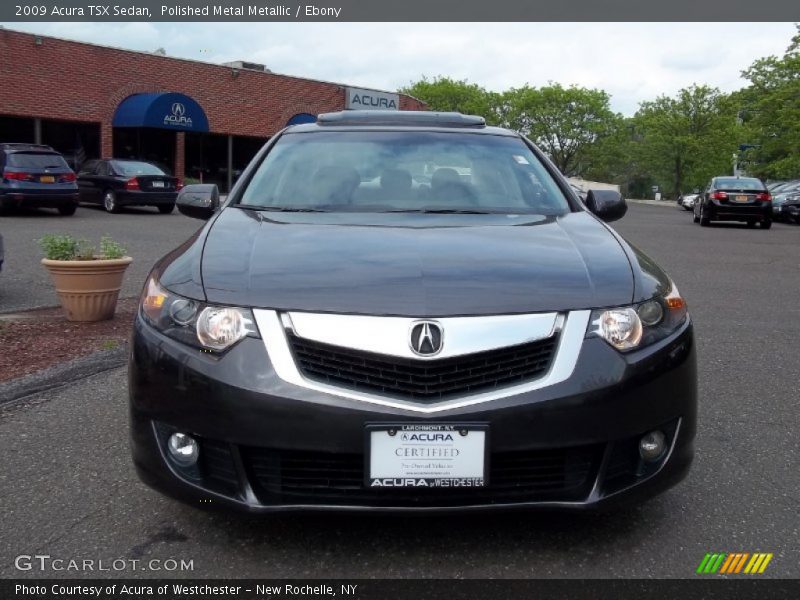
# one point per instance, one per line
(673, 312)
(180, 318)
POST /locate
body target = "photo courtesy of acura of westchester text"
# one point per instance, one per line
(285, 299)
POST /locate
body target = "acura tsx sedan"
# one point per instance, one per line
(409, 311)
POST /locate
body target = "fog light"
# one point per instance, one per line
(652, 446)
(183, 449)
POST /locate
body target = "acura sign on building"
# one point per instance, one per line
(358, 99)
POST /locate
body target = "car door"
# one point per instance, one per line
(105, 179)
(86, 181)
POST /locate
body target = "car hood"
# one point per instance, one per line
(414, 264)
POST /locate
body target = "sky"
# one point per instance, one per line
(631, 61)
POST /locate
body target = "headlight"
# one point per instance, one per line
(629, 327)
(195, 323)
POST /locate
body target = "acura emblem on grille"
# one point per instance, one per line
(425, 338)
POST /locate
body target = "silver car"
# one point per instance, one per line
(687, 201)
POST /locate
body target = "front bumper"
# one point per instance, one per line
(267, 445)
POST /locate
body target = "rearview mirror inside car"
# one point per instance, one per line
(199, 201)
(608, 205)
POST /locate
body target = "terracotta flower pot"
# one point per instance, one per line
(88, 289)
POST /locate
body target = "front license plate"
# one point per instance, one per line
(446, 455)
(742, 198)
(158, 184)
(47, 179)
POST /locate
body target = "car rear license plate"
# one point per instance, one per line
(440, 455)
(742, 198)
(47, 179)
(158, 184)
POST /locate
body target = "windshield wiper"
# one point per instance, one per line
(298, 209)
(443, 211)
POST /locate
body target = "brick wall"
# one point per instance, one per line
(73, 81)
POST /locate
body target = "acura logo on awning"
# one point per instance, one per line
(426, 338)
(178, 116)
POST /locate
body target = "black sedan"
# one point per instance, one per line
(116, 183)
(791, 209)
(744, 199)
(409, 312)
(782, 201)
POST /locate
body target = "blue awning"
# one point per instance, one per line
(302, 118)
(166, 110)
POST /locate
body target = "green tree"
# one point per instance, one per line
(770, 111)
(565, 122)
(687, 139)
(447, 94)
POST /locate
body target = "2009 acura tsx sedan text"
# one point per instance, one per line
(409, 311)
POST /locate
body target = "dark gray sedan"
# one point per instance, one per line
(116, 183)
(409, 312)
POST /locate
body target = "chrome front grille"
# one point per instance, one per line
(371, 359)
(422, 380)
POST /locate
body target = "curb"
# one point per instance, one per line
(63, 374)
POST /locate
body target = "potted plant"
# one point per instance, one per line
(87, 283)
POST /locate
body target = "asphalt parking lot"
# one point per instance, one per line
(146, 234)
(68, 488)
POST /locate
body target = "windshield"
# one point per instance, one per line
(37, 160)
(130, 168)
(385, 171)
(734, 183)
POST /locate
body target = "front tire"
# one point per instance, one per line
(67, 210)
(166, 209)
(766, 224)
(110, 202)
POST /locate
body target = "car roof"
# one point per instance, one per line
(404, 120)
(21, 147)
(734, 177)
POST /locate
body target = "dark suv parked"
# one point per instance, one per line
(409, 311)
(734, 199)
(34, 175)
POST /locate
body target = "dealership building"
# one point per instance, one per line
(203, 121)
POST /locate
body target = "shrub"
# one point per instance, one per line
(111, 249)
(59, 247)
(66, 247)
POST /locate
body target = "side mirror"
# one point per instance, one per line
(608, 205)
(199, 201)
